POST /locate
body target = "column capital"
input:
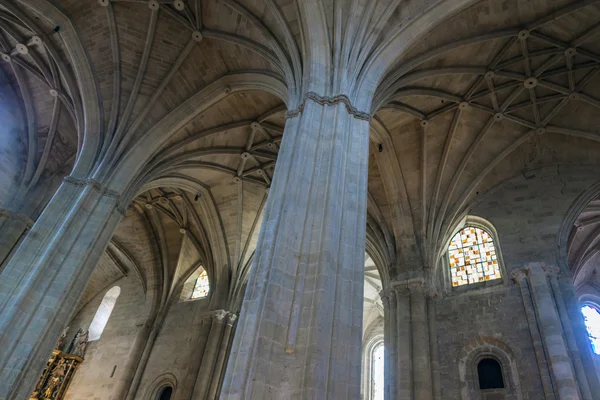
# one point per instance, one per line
(550, 270)
(518, 275)
(98, 187)
(231, 318)
(329, 101)
(408, 286)
(218, 315)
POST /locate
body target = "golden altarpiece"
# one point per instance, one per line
(61, 367)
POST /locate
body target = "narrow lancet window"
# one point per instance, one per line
(377, 372)
(103, 314)
(202, 287)
(591, 316)
(473, 257)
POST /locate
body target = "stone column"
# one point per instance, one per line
(403, 336)
(43, 281)
(436, 386)
(148, 347)
(126, 377)
(209, 357)
(580, 371)
(520, 276)
(221, 360)
(185, 391)
(389, 329)
(552, 334)
(420, 342)
(299, 334)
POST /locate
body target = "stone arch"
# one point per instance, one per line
(218, 255)
(486, 347)
(562, 238)
(389, 51)
(159, 384)
(134, 159)
(90, 137)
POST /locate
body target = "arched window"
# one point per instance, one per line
(489, 372)
(165, 393)
(591, 316)
(377, 372)
(201, 287)
(472, 256)
(101, 318)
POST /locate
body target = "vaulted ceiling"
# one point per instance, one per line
(496, 89)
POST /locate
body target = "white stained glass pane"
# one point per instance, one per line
(591, 316)
(472, 257)
(202, 287)
(377, 373)
(103, 313)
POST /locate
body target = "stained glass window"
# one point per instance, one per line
(377, 373)
(591, 315)
(201, 287)
(472, 257)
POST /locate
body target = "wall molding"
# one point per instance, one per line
(329, 101)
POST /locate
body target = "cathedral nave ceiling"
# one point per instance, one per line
(499, 89)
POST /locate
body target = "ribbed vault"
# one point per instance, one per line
(186, 98)
(496, 91)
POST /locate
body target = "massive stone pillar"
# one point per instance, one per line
(42, 283)
(299, 333)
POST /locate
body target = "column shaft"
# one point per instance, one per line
(221, 357)
(389, 302)
(420, 344)
(43, 281)
(187, 386)
(520, 277)
(125, 378)
(433, 350)
(141, 367)
(299, 333)
(552, 334)
(570, 337)
(404, 363)
(209, 357)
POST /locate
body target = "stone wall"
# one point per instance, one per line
(106, 358)
(183, 331)
(527, 213)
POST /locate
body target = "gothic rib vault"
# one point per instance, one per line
(176, 111)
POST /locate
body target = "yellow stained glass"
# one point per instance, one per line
(202, 287)
(472, 257)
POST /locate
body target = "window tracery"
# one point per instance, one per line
(473, 257)
(591, 317)
(201, 287)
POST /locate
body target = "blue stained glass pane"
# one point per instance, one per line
(592, 323)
